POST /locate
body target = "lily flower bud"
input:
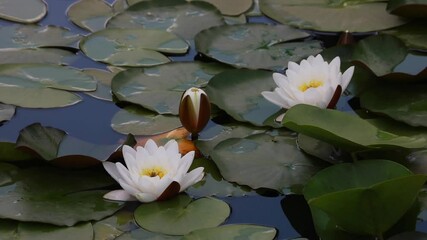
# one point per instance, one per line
(194, 110)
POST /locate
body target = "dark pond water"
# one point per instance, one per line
(90, 120)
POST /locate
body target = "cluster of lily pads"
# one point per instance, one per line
(359, 167)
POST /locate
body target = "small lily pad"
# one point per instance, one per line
(180, 17)
(180, 215)
(139, 121)
(319, 15)
(255, 46)
(13, 10)
(248, 105)
(233, 231)
(132, 47)
(141, 233)
(160, 88)
(408, 8)
(36, 55)
(56, 196)
(39, 231)
(90, 14)
(32, 36)
(114, 226)
(357, 134)
(6, 112)
(264, 161)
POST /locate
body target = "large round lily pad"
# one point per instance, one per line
(160, 88)
(141, 233)
(31, 36)
(356, 134)
(180, 215)
(183, 18)
(255, 46)
(375, 192)
(228, 8)
(234, 231)
(132, 47)
(139, 121)
(248, 105)
(56, 196)
(23, 11)
(103, 78)
(264, 161)
(320, 15)
(405, 102)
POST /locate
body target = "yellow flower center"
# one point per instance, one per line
(154, 171)
(312, 84)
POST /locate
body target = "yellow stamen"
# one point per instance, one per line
(154, 171)
(312, 84)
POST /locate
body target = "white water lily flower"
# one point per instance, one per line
(313, 82)
(152, 173)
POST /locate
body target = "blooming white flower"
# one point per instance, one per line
(312, 82)
(152, 173)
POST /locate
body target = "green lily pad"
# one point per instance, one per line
(381, 53)
(36, 55)
(90, 14)
(132, 47)
(140, 233)
(410, 236)
(213, 184)
(182, 18)
(215, 134)
(180, 215)
(32, 36)
(55, 145)
(46, 75)
(9, 153)
(414, 34)
(408, 8)
(264, 161)
(248, 105)
(38, 85)
(255, 46)
(319, 15)
(13, 10)
(114, 226)
(321, 150)
(233, 231)
(103, 78)
(235, 8)
(139, 121)
(356, 134)
(6, 112)
(57, 196)
(241, 19)
(406, 103)
(160, 88)
(40, 231)
(375, 192)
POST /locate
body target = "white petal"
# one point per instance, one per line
(275, 99)
(346, 77)
(293, 66)
(172, 147)
(130, 159)
(151, 146)
(128, 188)
(119, 195)
(312, 97)
(146, 197)
(286, 98)
(112, 170)
(191, 178)
(129, 150)
(124, 173)
(280, 80)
